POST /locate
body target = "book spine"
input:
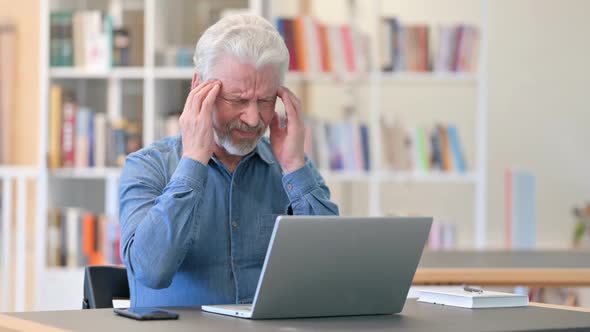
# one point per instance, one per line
(100, 129)
(69, 133)
(81, 138)
(290, 41)
(67, 45)
(365, 146)
(72, 220)
(55, 127)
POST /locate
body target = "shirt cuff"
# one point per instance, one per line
(300, 182)
(190, 172)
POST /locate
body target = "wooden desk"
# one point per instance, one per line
(505, 268)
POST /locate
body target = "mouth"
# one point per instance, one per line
(245, 134)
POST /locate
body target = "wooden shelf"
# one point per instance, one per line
(83, 73)
(433, 77)
(427, 177)
(86, 173)
(174, 73)
(390, 176)
(384, 77)
(18, 171)
(326, 77)
(187, 72)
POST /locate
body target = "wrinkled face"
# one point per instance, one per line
(245, 104)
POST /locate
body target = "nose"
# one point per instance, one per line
(251, 115)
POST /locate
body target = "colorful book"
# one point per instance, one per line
(456, 149)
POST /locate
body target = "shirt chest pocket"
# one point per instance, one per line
(266, 223)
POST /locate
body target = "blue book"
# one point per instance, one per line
(280, 24)
(396, 56)
(365, 146)
(436, 150)
(456, 150)
(91, 139)
(347, 145)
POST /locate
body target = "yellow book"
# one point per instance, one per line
(55, 122)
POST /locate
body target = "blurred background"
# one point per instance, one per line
(470, 111)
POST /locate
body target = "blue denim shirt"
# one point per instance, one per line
(193, 234)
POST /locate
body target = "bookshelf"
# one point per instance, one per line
(154, 88)
(145, 89)
(378, 95)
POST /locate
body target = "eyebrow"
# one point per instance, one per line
(237, 96)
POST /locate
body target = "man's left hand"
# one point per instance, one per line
(287, 143)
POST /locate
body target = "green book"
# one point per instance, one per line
(422, 153)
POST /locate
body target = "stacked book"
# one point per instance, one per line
(339, 146)
(420, 48)
(318, 48)
(81, 137)
(77, 238)
(88, 39)
(420, 149)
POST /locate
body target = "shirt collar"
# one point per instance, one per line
(264, 152)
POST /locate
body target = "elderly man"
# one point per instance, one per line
(197, 210)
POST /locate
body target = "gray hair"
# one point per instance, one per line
(250, 38)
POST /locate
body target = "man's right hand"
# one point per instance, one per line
(196, 124)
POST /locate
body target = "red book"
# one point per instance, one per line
(422, 49)
(347, 44)
(290, 41)
(457, 47)
(325, 56)
(300, 47)
(89, 237)
(68, 137)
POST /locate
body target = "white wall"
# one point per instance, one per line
(539, 108)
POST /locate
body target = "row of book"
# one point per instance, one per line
(171, 56)
(78, 238)
(81, 137)
(88, 38)
(420, 149)
(315, 47)
(421, 48)
(342, 146)
(443, 236)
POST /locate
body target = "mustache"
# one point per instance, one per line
(240, 125)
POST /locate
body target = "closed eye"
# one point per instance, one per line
(235, 101)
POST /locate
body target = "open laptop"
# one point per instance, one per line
(318, 266)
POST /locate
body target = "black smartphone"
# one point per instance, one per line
(146, 313)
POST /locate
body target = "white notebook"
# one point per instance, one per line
(465, 299)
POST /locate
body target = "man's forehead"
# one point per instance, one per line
(246, 85)
(239, 77)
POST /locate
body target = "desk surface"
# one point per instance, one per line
(415, 317)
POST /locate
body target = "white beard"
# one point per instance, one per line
(241, 149)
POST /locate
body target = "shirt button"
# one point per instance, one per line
(289, 187)
(234, 224)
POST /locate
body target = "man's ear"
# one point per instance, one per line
(195, 81)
